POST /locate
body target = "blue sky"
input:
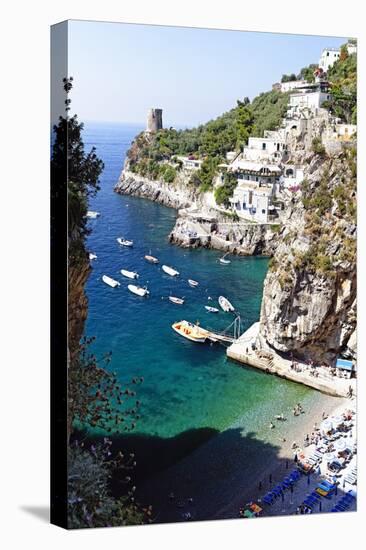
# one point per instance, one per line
(121, 70)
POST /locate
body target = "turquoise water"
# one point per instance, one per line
(187, 386)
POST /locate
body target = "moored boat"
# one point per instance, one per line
(190, 331)
(192, 283)
(110, 282)
(225, 304)
(151, 259)
(212, 309)
(124, 242)
(129, 274)
(92, 256)
(169, 270)
(223, 260)
(175, 300)
(139, 290)
(92, 215)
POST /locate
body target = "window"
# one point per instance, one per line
(263, 211)
(263, 146)
(244, 205)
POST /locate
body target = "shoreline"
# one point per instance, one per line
(224, 473)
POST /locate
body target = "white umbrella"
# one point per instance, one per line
(337, 421)
(340, 444)
(329, 457)
(326, 426)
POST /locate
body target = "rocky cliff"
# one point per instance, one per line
(77, 302)
(309, 297)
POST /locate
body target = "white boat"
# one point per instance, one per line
(124, 242)
(169, 270)
(223, 260)
(176, 300)
(225, 304)
(193, 283)
(212, 309)
(190, 331)
(129, 274)
(110, 282)
(139, 290)
(92, 215)
(92, 256)
(151, 259)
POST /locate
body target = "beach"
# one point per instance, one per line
(223, 475)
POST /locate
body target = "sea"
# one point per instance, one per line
(191, 392)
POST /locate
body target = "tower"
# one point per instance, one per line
(154, 120)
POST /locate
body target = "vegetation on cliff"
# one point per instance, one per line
(210, 141)
(343, 79)
(95, 398)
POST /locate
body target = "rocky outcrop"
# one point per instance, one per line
(175, 195)
(309, 297)
(246, 239)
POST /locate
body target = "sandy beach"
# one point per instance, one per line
(225, 473)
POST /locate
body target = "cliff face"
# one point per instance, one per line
(77, 302)
(309, 297)
(177, 195)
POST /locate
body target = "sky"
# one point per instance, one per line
(121, 70)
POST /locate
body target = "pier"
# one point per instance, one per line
(249, 349)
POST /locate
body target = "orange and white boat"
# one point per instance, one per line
(190, 331)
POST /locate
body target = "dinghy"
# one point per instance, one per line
(225, 304)
(92, 256)
(151, 259)
(129, 274)
(176, 300)
(193, 283)
(110, 282)
(190, 331)
(169, 270)
(92, 215)
(223, 260)
(124, 242)
(139, 290)
(212, 309)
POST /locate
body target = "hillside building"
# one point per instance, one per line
(328, 57)
(154, 121)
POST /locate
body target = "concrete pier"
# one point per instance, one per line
(267, 359)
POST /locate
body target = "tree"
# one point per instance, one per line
(288, 77)
(80, 171)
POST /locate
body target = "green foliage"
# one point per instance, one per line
(225, 191)
(317, 146)
(89, 498)
(288, 77)
(204, 176)
(343, 78)
(71, 166)
(268, 109)
(307, 73)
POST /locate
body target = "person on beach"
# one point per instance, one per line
(272, 425)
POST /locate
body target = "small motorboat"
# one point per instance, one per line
(192, 283)
(151, 259)
(139, 290)
(129, 274)
(175, 300)
(223, 260)
(190, 331)
(225, 304)
(124, 242)
(110, 282)
(169, 270)
(92, 256)
(92, 215)
(212, 309)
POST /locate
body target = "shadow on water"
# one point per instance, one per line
(211, 475)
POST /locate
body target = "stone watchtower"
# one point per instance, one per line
(154, 120)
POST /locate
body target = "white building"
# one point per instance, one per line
(269, 148)
(304, 103)
(293, 85)
(328, 57)
(351, 48)
(189, 163)
(292, 177)
(252, 203)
